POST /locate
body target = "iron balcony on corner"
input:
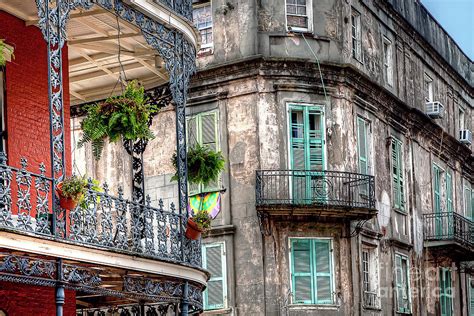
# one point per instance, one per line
(449, 233)
(334, 194)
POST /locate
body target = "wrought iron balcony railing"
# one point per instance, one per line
(306, 188)
(449, 226)
(101, 220)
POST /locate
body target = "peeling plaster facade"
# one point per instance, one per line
(254, 69)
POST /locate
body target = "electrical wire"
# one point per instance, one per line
(319, 67)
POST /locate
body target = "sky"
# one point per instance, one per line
(457, 18)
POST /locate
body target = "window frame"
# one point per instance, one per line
(309, 16)
(428, 88)
(388, 71)
(223, 278)
(462, 119)
(468, 203)
(372, 281)
(356, 35)
(408, 285)
(200, 6)
(314, 275)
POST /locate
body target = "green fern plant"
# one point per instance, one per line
(204, 165)
(122, 117)
(3, 46)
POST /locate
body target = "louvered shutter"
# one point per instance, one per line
(397, 175)
(214, 262)
(297, 140)
(436, 189)
(315, 140)
(468, 205)
(208, 127)
(449, 192)
(471, 297)
(323, 272)
(445, 292)
(362, 144)
(192, 138)
(399, 282)
(301, 271)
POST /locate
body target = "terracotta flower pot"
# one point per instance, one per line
(192, 230)
(65, 202)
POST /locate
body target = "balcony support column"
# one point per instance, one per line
(185, 302)
(60, 293)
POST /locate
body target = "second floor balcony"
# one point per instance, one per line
(316, 193)
(449, 233)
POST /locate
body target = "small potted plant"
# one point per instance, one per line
(6, 53)
(204, 165)
(121, 117)
(198, 223)
(70, 192)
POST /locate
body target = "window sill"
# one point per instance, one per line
(372, 308)
(312, 307)
(217, 311)
(399, 211)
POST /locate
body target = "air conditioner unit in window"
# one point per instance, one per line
(434, 109)
(465, 136)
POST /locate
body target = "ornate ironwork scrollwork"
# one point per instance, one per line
(80, 275)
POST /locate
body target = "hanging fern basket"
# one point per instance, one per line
(126, 117)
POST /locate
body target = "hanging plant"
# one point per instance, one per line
(3, 48)
(125, 116)
(204, 165)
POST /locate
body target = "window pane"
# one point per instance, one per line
(297, 21)
(301, 10)
(301, 2)
(215, 294)
(291, 9)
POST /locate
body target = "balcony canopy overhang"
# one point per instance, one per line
(104, 48)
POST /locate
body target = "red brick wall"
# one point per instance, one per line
(27, 95)
(25, 300)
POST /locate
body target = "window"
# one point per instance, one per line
(363, 128)
(397, 175)
(387, 61)
(428, 88)
(202, 18)
(214, 260)
(311, 271)
(203, 129)
(370, 277)
(461, 120)
(445, 293)
(298, 15)
(2, 111)
(356, 35)
(402, 279)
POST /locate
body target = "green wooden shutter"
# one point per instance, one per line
(437, 189)
(302, 271)
(362, 145)
(471, 297)
(449, 191)
(297, 139)
(192, 138)
(322, 249)
(402, 284)
(397, 175)
(314, 139)
(446, 304)
(208, 130)
(213, 258)
(468, 207)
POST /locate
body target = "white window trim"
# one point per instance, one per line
(374, 265)
(358, 38)
(309, 15)
(224, 272)
(333, 279)
(209, 45)
(462, 119)
(466, 186)
(387, 61)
